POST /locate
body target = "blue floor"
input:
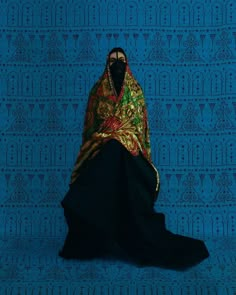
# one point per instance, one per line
(31, 266)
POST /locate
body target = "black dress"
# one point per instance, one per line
(111, 206)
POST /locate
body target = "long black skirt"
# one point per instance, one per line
(109, 210)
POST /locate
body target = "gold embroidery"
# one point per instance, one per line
(123, 118)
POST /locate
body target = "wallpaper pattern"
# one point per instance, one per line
(183, 55)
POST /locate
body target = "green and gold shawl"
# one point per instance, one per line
(109, 116)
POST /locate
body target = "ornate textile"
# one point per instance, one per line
(110, 116)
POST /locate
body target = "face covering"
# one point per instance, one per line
(117, 70)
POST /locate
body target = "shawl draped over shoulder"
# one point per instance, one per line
(122, 117)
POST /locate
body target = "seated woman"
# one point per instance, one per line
(114, 184)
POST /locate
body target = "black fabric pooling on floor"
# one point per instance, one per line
(109, 210)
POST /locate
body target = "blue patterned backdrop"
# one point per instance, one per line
(183, 54)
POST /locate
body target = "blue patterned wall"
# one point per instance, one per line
(183, 54)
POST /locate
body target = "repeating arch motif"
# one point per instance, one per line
(94, 13)
(150, 83)
(60, 83)
(11, 226)
(112, 13)
(218, 225)
(45, 225)
(164, 153)
(46, 14)
(60, 153)
(216, 83)
(231, 152)
(164, 83)
(13, 12)
(12, 153)
(12, 84)
(27, 154)
(197, 83)
(230, 87)
(217, 13)
(25, 225)
(183, 223)
(79, 83)
(79, 14)
(198, 154)
(184, 15)
(198, 14)
(198, 224)
(46, 84)
(131, 14)
(150, 12)
(231, 12)
(217, 153)
(165, 14)
(60, 14)
(231, 223)
(27, 84)
(27, 14)
(183, 154)
(183, 84)
(45, 156)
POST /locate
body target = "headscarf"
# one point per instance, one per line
(110, 116)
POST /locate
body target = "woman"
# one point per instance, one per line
(110, 203)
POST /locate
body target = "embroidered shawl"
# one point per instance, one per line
(122, 117)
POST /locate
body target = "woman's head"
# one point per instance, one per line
(115, 54)
(117, 62)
